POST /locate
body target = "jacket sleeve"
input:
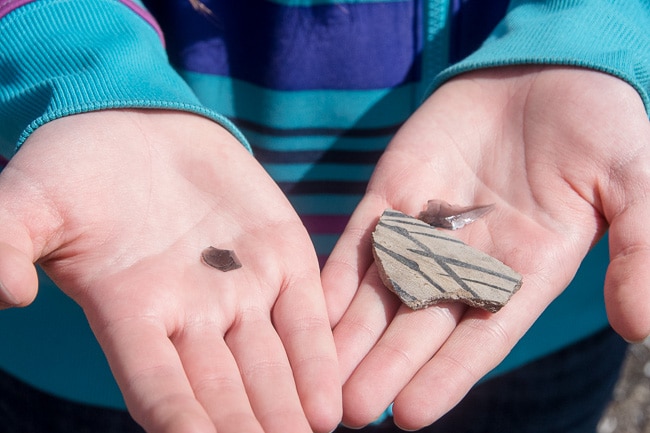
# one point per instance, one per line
(59, 58)
(611, 36)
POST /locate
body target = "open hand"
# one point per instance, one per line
(117, 206)
(564, 154)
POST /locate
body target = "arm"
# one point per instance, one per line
(117, 205)
(60, 60)
(603, 36)
(564, 152)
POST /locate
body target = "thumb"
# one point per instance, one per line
(627, 288)
(19, 218)
(18, 279)
(626, 207)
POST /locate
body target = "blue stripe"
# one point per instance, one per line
(324, 244)
(295, 47)
(316, 110)
(326, 172)
(342, 157)
(325, 204)
(317, 131)
(276, 144)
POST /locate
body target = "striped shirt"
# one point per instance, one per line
(319, 90)
(316, 87)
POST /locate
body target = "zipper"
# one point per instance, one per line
(435, 50)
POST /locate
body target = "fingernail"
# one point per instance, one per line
(7, 298)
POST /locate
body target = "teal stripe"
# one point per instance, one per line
(306, 108)
(291, 144)
(324, 244)
(325, 204)
(306, 172)
(436, 41)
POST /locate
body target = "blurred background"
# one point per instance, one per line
(629, 410)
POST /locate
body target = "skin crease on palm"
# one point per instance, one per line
(117, 206)
(563, 154)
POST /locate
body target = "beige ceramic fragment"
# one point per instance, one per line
(424, 265)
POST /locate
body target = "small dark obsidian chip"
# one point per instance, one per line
(224, 260)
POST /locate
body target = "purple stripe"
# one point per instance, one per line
(9, 5)
(3, 162)
(336, 46)
(145, 15)
(324, 187)
(325, 224)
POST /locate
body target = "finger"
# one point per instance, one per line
(266, 373)
(18, 279)
(626, 205)
(346, 266)
(350, 258)
(477, 345)
(364, 322)
(301, 321)
(409, 342)
(626, 283)
(150, 374)
(216, 381)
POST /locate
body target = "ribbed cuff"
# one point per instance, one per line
(63, 57)
(598, 35)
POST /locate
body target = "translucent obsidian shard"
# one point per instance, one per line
(439, 213)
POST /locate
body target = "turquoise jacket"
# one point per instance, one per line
(317, 107)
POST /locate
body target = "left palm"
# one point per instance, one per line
(563, 153)
(117, 206)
